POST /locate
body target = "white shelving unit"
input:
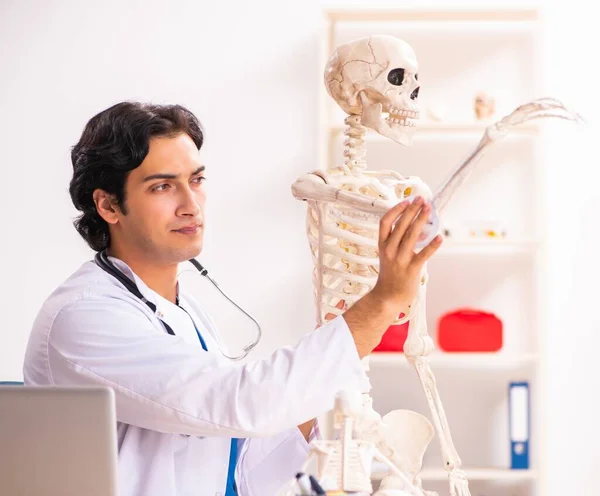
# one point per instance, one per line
(460, 53)
(476, 474)
(449, 361)
(488, 247)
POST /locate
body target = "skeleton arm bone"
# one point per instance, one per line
(459, 175)
(536, 109)
(416, 351)
(313, 187)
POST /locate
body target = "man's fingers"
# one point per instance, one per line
(402, 225)
(389, 218)
(426, 253)
(415, 230)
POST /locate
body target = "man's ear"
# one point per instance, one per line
(106, 205)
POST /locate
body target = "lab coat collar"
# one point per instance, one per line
(176, 316)
(162, 304)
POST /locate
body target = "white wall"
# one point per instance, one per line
(251, 82)
(573, 324)
(249, 71)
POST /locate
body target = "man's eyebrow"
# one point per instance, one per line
(152, 177)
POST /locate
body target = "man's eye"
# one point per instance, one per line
(160, 187)
(199, 179)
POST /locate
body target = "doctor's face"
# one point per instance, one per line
(164, 201)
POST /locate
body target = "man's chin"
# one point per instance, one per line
(180, 254)
(195, 252)
(190, 252)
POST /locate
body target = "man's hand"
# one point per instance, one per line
(399, 274)
(400, 267)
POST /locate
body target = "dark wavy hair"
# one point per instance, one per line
(113, 143)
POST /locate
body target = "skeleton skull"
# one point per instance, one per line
(376, 75)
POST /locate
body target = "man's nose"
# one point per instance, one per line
(189, 205)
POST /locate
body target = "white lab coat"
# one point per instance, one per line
(178, 406)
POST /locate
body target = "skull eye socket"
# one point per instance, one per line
(396, 77)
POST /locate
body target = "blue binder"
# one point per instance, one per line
(519, 424)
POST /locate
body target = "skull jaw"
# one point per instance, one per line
(372, 118)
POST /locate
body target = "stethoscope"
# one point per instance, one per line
(104, 263)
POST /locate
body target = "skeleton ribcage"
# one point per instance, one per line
(345, 256)
(344, 240)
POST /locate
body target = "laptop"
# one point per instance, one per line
(57, 441)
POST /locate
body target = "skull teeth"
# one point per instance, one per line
(400, 122)
(398, 113)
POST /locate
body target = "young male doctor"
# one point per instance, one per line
(139, 185)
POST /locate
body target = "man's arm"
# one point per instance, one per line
(164, 384)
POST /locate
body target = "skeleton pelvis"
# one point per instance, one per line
(407, 434)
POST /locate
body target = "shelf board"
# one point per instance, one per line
(459, 28)
(452, 128)
(472, 474)
(447, 360)
(487, 247)
(453, 15)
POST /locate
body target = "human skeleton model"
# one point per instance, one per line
(368, 78)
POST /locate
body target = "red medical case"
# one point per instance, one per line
(469, 330)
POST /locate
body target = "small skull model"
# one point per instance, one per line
(485, 106)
